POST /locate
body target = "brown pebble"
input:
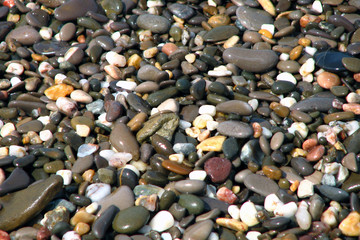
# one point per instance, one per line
(316, 153)
(176, 167)
(327, 80)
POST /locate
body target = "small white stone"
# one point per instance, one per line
(201, 120)
(303, 217)
(43, 119)
(107, 153)
(116, 36)
(191, 57)
(59, 78)
(220, 71)
(66, 175)
(45, 67)
(166, 236)
(342, 174)
(154, 3)
(116, 59)
(46, 33)
(32, 6)
(4, 151)
(305, 189)
(81, 96)
(300, 127)
(169, 105)
(177, 157)
(83, 130)
(284, 57)
(7, 129)
(128, 85)
(92, 208)
(272, 202)
(353, 98)
(331, 168)
(254, 103)
(308, 78)
(198, 40)
(286, 76)
(184, 124)
(266, 132)
(329, 216)
(97, 191)
(231, 41)
(211, 125)
(207, 109)
(150, 52)
(252, 235)
(14, 81)
(317, 6)
(269, 27)
(310, 50)
(308, 67)
(197, 175)
(213, 236)
(234, 212)
(15, 68)
(17, 151)
(102, 119)
(162, 221)
(120, 159)
(66, 105)
(351, 127)
(154, 111)
(288, 210)
(288, 101)
(87, 149)
(248, 214)
(71, 235)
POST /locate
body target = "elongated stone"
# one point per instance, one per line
(123, 140)
(235, 129)
(235, 106)
(260, 184)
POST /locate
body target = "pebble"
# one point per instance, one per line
(260, 184)
(252, 18)
(154, 23)
(162, 221)
(130, 220)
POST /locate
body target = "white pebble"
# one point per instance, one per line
(234, 212)
(266, 132)
(353, 98)
(211, 125)
(201, 120)
(197, 175)
(162, 221)
(342, 174)
(300, 127)
(45, 67)
(81, 96)
(305, 189)
(184, 124)
(207, 109)
(220, 71)
(14, 81)
(288, 101)
(66, 175)
(351, 127)
(116, 36)
(272, 202)
(66, 105)
(46, 33)
(128, 85)
(308, 67)
(317, 6)
(177, 157)
(102, 119)
(166, 236)
(15, 68)
(83, 130)
(269, 27)
(331, 168)
(116, 59)
(286, 76)
(329, 216)
(154, 111)
(17, 151)
(308, 78)
(248, 214)
(43, 119)
(169, 105)
(92, 208)
(107, 153)
(7, 129)
(310, 50)
(87, 149)
(284, 57)
(120, 159)
(303, 217)
(252, 235)
(213, 236)
(71, 235)
(45, 135)
(288, 210)
(254, 103)
(191, 57)
(97, 191)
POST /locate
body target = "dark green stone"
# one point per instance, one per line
(130, 220)
(192, 203)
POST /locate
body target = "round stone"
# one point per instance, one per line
(218, 169)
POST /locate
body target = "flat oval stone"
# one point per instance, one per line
(220, 33)
(103, 222)
(351, 64)
(73, 9)
(235, 129)
(192, 203)
(123, 197)
(252, 18)
(130, 220)
(123, 140)
(190, 186)
(251, 60)
(181, 10)
(154, 23)
(313, 104)
(50, 47)
(34, 125)
(17, 180)
(26, 35)
(260, 184)
(235, 106)
(21, 206)
(302, 166)
(218, 169)
(333, 193)
(331, 60)
(200, 230)
(276, 223)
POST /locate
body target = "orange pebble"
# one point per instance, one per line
(169, 48)
(327, 80)
(266, 33)
(60, 90)
(294, 185)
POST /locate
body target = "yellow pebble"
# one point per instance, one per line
(200, 121)
(350, 226)
(212, 144)
(134, 60)
(232, 224)
(88, 175)
(82, 216)
(82, 228)
(266, 33)
(305, 42)
(60, 90)
(158, 66)
(296, 52)
(298, 152)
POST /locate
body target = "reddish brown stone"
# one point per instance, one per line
(4, 235)
(43, 234)
(176, 167)
(226, 195)
(218, 169)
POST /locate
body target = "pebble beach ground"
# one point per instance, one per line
(194, 120)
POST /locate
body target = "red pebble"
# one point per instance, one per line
(218, 169)
(226, 195)
(43, 234)
(9, 3)
(4, 235)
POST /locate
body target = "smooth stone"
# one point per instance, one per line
(264, 96)
(67, 32)
(235, 106)
(338, 21)
(288, 66)
(73, 9)
(276, 223)
(24, 161)
(155, 178)
(123, 140)
(161, 145)
(190, 186)
(340, 116)
(103, 222)
(130, 220)
(151, 73)
(291, 174)
(50, 47)
(213, 203)
(17, 180)
(352, 184)
(89, 68)
(333, 193)
(154, 23)
(184, 148)
(351, 64)
(277, 140)
(158, 97)
(192, 203)
(353, 48)
(127, 177)
(218, 169)
(302, 166)
(313, 104)
(176, 167)
(352, 142)
(26, 35)
(199, 231)
(34, 125)
(235, 129)
(350, 162)
(122, 198)
(251, 152)
(21, 206)
(260, 184)
(230, 148)
(162, 221)
(281, 87)
(252, 18)
(82, 164)
(181, 10)
(330, 60)
(220, 33)
(138, 104)
(251, 60)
